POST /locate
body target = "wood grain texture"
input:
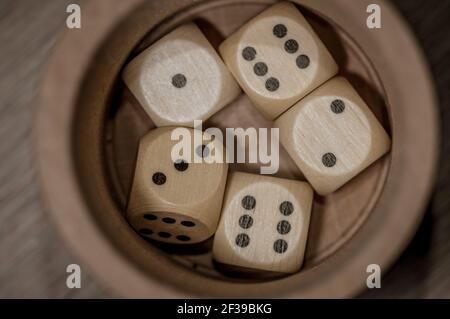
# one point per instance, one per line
(267, 60)
(180, 79)
(423, 269)
(264, 223)
(33, 259)
(177, 202)
(332, 135)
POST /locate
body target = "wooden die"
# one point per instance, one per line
(277, 58)
(332, 135)
(180, 78)
(176, 201)
(264, 223)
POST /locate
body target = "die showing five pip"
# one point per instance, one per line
(277, 59)
(258, 222)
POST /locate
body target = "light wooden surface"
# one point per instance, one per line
(264, 223)
(33, 258)
(332, 135)
(180, 79)
(177, 202)
(277, 58)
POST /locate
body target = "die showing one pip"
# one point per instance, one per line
(264, 223)
(277, 58)
(332, 135)
(176, 201)
(180, 78)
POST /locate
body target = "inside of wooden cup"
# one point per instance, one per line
(335, 218)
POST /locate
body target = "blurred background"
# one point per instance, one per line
(33, 259)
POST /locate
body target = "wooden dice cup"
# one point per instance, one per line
(87, 128)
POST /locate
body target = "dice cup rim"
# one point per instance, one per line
(73, 78)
